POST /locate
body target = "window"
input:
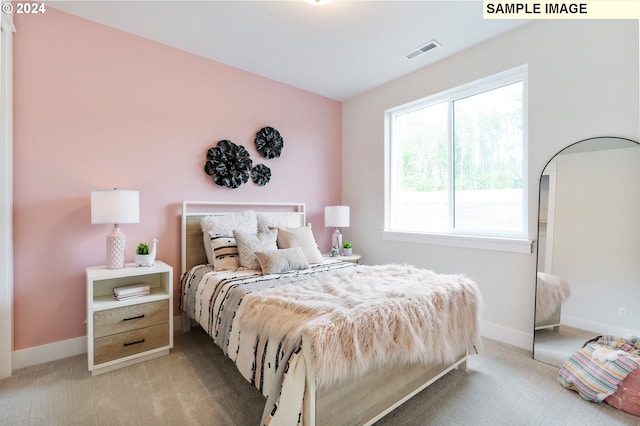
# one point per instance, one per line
(456, 161)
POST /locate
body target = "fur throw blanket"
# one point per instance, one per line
(551, 292)
(369, 316)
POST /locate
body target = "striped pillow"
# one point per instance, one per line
(225, 252)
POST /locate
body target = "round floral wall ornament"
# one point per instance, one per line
(261, 174)
(229, 164)
(269, 143)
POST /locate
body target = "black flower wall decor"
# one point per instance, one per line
(229, 164)
(261, 174)
(269, 143)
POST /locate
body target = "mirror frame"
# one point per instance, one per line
(533, 351)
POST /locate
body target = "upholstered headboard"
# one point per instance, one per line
(192, 248)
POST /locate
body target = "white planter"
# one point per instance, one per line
(347, 251)
(145, 259)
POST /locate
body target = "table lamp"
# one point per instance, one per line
(338, 217)
(115, 206)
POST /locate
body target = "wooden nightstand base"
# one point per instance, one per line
(119, 364)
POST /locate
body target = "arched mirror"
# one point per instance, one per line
(588, 280)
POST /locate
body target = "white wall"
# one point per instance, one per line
(583, 82)
(596, 244)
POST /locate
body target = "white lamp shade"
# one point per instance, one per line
(115, 206)
(336, 216)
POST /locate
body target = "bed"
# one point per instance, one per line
(551, 291)
(319, 360)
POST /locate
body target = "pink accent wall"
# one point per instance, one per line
(97, 108)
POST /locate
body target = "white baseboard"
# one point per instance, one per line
(597, 327)
(49, 352)
(506, 335)
(63, 349)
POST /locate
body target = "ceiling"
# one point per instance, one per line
(338, 50)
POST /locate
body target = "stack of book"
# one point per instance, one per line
(130, 291)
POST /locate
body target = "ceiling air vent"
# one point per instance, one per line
(422, 49)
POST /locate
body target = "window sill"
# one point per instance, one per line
(511, 245)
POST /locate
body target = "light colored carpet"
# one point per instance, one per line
(555, 347)
(197, 385)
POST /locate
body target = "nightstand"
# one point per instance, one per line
(125, 332)
(353, 258)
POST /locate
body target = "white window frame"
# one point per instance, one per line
(516, 242)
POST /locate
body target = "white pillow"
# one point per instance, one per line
(224, 224)
(225, 253)
(278, 220)
(249, 244)
(281, 260)
(300, 237)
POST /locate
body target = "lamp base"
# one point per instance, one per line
(115, 248)
(336, 243)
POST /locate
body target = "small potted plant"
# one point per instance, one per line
(144, 255)
(347, 248)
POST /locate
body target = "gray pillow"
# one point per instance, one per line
(282, 260)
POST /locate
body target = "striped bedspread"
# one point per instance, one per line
(597, 369)
(212, 299)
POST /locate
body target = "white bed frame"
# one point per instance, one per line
(552, 322)
(359, 402)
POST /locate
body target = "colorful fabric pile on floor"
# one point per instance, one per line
(606, 369)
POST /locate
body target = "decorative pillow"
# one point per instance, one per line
(224, 224)
(300, 237)
(249, 244)
(282, 260)
(281, 220)
(225, 253)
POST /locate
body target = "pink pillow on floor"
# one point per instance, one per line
(627, 397)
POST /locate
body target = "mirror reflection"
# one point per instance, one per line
(588, 281)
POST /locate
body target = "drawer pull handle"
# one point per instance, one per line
(134, 343)
(132, 318)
